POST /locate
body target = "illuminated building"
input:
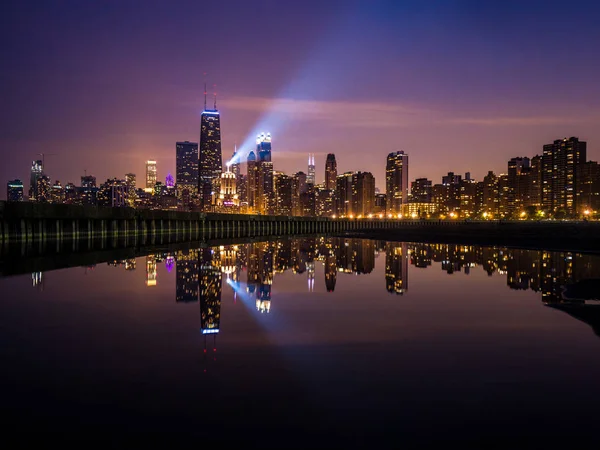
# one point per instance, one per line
(130, 182)
(451, 192)
(330, 172)
(227, 200)
(210, 163)
(420, 191)
(588, 192)
(57, 193)
(37, 170)
(130, 264)
(311, 177)
(252, 181)
(324, 202)
(396, 181)
(560, 161)
(42, 193)
(308, 202)
(234, 166)
(210, 282)
(186, 276)
(415, 210)
(517, 168)
(37, 280)
(362, 255)
(150, 174)
(14, 191)
(503, 196)
(299, 187)
(363, 193)
(113, 193)
(468, 196)
(186, 171)
(283, 194)
(396, 267)
(343, 195)
(264, 197)
(380, 204)
(151, 270)
(491, 200)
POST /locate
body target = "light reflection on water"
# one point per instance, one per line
(350, 332)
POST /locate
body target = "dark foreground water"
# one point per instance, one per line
(307, 343)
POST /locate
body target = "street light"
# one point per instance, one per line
(453, 214)
(523, 214)
(586, 212)
(485, 214)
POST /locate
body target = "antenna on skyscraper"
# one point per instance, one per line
(204, 91)
(215, 94)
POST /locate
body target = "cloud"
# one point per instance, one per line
(379, 114)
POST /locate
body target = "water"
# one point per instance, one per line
(307, 341)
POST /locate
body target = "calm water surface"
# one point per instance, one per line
(278, 344)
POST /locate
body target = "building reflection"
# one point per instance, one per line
(200, 273)
(210, 285)
(187, 271)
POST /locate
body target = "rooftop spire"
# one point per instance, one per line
(215, 94)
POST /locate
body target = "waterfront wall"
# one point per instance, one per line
(31, 223)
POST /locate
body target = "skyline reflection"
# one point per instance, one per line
(200, 273)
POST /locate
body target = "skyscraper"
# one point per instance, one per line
(264, 197)
(186, 171)
(560, 161)
(14, 191)
(396, 181)
(251, 181)
(150, 174)
(37, 170)
(235, 168)
(330, 172)
(311, 178)
(516, 166)
(210, 163)
(130, 182)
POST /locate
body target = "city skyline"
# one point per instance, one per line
(472, 90)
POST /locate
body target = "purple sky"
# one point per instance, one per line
(460, 86)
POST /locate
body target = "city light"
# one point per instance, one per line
(485, 215)
(413, 215)
(523, 214)
(587, 212)
(452, 215)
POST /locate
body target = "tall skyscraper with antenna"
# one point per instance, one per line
(210, 164)
(311, 169)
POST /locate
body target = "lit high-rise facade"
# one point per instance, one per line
(210, 164)
(396, 181)
(330, 172)
(186, 171)
(150, 174)
(311, 177)
(14, 191)
(37, 170)
(264, 200)
(560, 161)
(251, 181)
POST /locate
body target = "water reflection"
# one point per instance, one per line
(200, 272)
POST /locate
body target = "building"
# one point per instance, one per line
(234, 166)
(210, 162)
(343, 195)
(396, 181)
(468, 197)
(37, 170)
(330, 172)
(308, 202)
(130, 182)
(560, 161)
(311, 177)
(451, 192)
(363, 193)
(421, 191)
(14, 191)
(186, 172)
(396, 267)
(588, 192)
(491, 200)
(380, 204)
(518, 168)
(264, 198)
(113, 193)
(299, 187)
(252, 181)
(227, 200)
(42, 191)
(324, 201)
(283, 194)
(150, 174)
(57, 193)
